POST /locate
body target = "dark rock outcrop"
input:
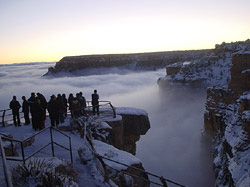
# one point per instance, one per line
(240, 73)
(135, 124)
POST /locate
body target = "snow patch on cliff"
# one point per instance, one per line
(113, 153)
(132, 111)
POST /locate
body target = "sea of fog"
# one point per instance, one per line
(174, 146)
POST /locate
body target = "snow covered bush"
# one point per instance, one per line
(44, 172)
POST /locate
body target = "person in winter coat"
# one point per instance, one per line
(61, 107)
(53, 109)
(44, 104)
(95, 102)
(26, 110)
(65, 103)
(38, 113)
(82, 102)
(75, 108)
(15, 106)
(70, 100)
(31, 102)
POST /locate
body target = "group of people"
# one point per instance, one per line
(57, 108)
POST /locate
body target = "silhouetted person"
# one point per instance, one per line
(38, 114)
(82, 102)
(65, 104)
(15, 106)
(95, 102)
(53, 109)
(61, 107)
(70, 100)
(44, 103)
(75, 108)
(31, 102)
(26, 110)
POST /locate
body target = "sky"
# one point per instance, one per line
(48, 30)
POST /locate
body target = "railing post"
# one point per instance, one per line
(106, 175)
(70, 148)
(52, 142)
(163, 182)
(3, 118)
(114, 113)
(12, 147)
(23, 153)
(85, 130)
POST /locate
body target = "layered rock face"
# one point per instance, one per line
(127, 130)
(226, 73)
(135, 124)
(122, 132)
(240, 73)
(137, 61)
(228, 114)
(212, 69)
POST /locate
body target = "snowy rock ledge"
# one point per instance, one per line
(115, 138)
(125, 130)
(111, 152)
(212, 69)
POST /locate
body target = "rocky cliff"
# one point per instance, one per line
(137, 61)
(212, 69)
(228, 114)
(226, 74)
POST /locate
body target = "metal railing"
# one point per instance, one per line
(7, 113)
(52, 142)
(87, 136)
(89, 107)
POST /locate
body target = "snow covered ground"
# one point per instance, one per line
(86, 174)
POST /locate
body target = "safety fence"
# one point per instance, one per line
(24, 158)
(7, 117)
(104, 167)
(105, 106)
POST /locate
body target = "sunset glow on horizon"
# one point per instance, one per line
(36, 31)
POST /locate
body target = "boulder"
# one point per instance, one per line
(135, 121)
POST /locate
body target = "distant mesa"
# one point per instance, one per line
(132, 62)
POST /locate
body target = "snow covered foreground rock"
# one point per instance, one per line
(103, 133)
